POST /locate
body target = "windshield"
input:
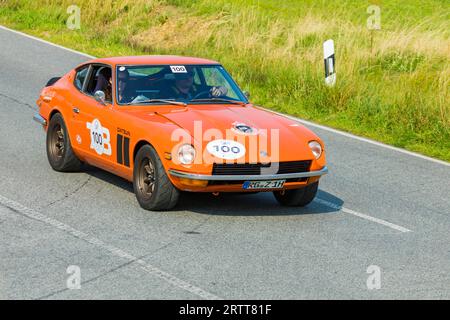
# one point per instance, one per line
(176, 84)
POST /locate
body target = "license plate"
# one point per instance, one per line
(271, 184)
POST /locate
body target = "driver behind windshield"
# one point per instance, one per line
(183, 87)
(125, 93)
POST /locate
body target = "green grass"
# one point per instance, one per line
(393, 85)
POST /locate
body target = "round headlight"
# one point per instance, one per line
(186, 154)
(316, 148)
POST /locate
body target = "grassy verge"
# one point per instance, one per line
(393, 84)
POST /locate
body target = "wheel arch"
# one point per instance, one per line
(139, 145)
(53, 112)
(143, 142)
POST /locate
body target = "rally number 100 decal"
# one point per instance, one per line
(226, 149)
(100, 138)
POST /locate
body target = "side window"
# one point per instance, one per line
(100, 79)
(80, 77)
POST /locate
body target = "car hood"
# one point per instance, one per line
(291, 137)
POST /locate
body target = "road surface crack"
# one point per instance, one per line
(29, 106)
(91, 279)
(68, 195)
(192, 231)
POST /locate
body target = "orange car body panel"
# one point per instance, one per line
(154, 124)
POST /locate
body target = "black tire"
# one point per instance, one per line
(59, 150)
(152, 187)
(297, 197)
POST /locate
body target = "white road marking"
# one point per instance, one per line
(46, 42)
(362, 215)
(352, 136)
(342, 133)
(33, 214)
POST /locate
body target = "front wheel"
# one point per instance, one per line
(297, 197)
(152, 187)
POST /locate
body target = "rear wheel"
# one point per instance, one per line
(152, 187)
(297, 197)
(59, 150)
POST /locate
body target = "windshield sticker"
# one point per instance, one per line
(122, 68)
(178, 69)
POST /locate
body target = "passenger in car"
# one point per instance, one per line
(104, 83)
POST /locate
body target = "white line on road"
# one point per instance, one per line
(352, 136)
(33, 214)
(362, 215)
(47, 42)
(345, 134)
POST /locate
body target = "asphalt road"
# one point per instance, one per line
(377, 207)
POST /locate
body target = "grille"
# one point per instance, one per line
(237, 169)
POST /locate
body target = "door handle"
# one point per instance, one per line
(76, 110)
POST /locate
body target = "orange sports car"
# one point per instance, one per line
(172, 124)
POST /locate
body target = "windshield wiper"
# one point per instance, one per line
(170, 101)
(219, 99)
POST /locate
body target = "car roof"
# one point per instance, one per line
(149, 60)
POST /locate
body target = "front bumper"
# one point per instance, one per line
(194, 176)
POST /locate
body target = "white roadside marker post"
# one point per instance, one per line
(329, 61)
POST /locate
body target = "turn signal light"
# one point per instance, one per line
(194, 183)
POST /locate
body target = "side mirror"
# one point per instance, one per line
(100, 97)
(247, 94)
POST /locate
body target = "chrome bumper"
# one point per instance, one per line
(194, 176)
(39, 119)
